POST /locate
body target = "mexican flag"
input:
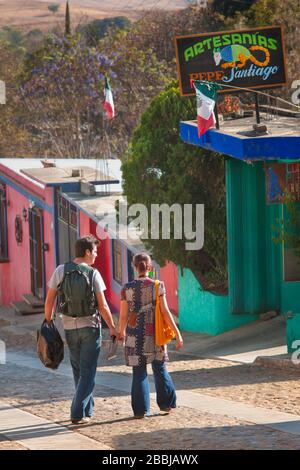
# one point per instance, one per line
(206, 94)
(108, 104)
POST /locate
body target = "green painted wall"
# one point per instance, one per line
(253, 258)
(293, 332)
(255, 265)
(290, 297)
(203, 312)
(290, 305)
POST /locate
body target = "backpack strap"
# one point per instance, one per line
(61, 298)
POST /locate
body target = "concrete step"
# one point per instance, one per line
(22, 308)
(33, 301)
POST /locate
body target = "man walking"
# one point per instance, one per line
(81, 293)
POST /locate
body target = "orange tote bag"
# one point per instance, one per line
(163, 332)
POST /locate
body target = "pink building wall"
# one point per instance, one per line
(103, 264)
(84, 224)
(15, 274)
(169, 275)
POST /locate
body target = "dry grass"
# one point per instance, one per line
(31, 14)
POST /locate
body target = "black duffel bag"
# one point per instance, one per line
(50, 346)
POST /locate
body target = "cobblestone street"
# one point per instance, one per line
(29, 387)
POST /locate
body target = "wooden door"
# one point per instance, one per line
(36, 225)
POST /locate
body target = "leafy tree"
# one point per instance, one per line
(287, 14)
(230, 7)
(157, 29)
(140, 78)
(160, 168)
(264, 12)
(54, 7)
(12, 36)
(62, 87)
(34, 40)
(15, 139)
(97, 29)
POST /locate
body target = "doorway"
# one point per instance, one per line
(36, 225)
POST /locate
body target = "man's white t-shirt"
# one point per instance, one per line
(70, 323)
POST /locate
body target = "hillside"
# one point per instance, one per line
(31, 14)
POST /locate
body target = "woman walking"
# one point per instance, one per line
(137, 327)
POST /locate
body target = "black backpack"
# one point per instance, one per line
(50, 346)
(76, 292)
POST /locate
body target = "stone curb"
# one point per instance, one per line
(279, 363)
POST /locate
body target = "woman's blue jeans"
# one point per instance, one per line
(140, 392)
(84, 346)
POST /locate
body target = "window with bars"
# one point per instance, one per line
(63, 209)
(67, 212)
(3, 224)
(117, 261)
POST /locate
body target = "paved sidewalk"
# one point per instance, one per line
(36, 433)
(200, 422)
(222, 404)
(274, 419)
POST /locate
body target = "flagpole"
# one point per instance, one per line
(257, 108)
(216, 114)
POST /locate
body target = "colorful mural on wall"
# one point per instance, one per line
(282, 178)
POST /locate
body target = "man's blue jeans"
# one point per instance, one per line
(84, 346)
(140, 392)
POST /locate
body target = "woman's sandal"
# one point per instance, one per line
(166, 410)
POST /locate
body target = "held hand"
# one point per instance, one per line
(113, 331)
(179, 342)
(121, 336)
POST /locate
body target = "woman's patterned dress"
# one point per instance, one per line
(140, 347)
